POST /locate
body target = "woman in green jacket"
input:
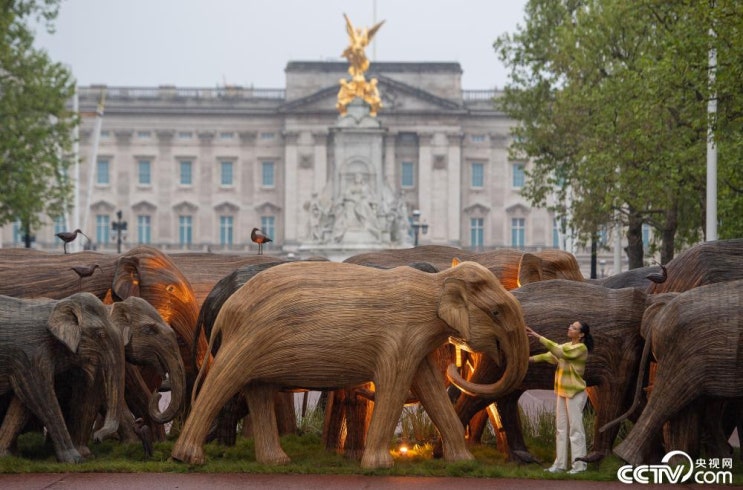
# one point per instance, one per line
(570, 388)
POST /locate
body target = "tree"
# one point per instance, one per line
(610, 99)
(36, 129)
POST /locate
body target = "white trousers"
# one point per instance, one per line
(569, 421)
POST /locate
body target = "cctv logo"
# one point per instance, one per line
(664, 473)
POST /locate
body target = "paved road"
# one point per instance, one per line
(201, 481)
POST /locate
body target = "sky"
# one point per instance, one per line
(208, 43)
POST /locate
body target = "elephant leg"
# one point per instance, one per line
(226, 428)
(15, 418)
(358, 412)
(609, 401)
(81, 409)
(260, 398)
(430, 388)
(137, 395)
(681, 432)
(477, 425)
(717, 424)
(126, 432)
(333, 434)
(391, 391)
(39, 397)
(223, 381)
(641, 442)
(508, 408)
(286, 416)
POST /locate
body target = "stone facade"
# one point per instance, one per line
(197, 169)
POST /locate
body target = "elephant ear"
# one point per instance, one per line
(530, 269)
(65, 323)
(126, 278)
(121, 317)
(453, 307)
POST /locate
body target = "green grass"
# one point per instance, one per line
(309, 457)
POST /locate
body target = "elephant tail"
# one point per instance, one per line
(644, 363)
(204, 368)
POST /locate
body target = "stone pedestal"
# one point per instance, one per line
(356, 211)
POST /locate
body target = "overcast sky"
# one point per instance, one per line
(205, 43)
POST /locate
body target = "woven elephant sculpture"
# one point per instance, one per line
(40, 339)
(329, 326)
(697, 341)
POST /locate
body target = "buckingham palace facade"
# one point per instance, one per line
(198, 168)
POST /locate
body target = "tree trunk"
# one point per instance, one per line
(669, 235)
(594, 254)
(634, 250)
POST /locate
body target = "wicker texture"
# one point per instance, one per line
(549, 307)
(328, 325)
(697, 339)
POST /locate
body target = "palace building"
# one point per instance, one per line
(196, 169)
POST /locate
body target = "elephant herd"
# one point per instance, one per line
(230, 336)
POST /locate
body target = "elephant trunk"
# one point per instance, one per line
(515, 350)
(113, 384)
(173, 364)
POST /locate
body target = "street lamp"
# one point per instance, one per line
(118, 226)
(418, 226)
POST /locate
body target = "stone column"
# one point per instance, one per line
(454, 182)
(425, 186)
(389, 161)
(292, 204)
(320, 163)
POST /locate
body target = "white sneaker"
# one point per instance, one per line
(576, 471)
(554, 469)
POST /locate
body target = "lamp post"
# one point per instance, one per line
(418, 226)
(118, 226)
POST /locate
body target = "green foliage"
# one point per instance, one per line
(416, 426)
(611, 103)
(36, 129)
(312, 421)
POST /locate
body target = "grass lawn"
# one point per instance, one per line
(309, 457)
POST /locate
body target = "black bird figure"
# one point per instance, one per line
(68, 236)
(145, 435)
(260, 238)
(84, 271)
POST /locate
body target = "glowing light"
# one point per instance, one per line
(403, 450)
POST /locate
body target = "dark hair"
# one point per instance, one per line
(585, 329)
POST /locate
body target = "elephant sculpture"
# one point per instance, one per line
(204, 269)
(704, 263)
(40, 339)
(697, 340)
(143, 271)
(236, 408)
(633, 278)
(615, 317)
(148, 341)
(329, 325)
(440, 256)
(512, 267)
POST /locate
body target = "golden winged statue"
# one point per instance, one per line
(355, 53)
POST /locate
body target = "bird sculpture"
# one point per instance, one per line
(260, 238)
(145, 435)
(84, 271)
(68, 236)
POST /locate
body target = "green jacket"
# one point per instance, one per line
(571, 365)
